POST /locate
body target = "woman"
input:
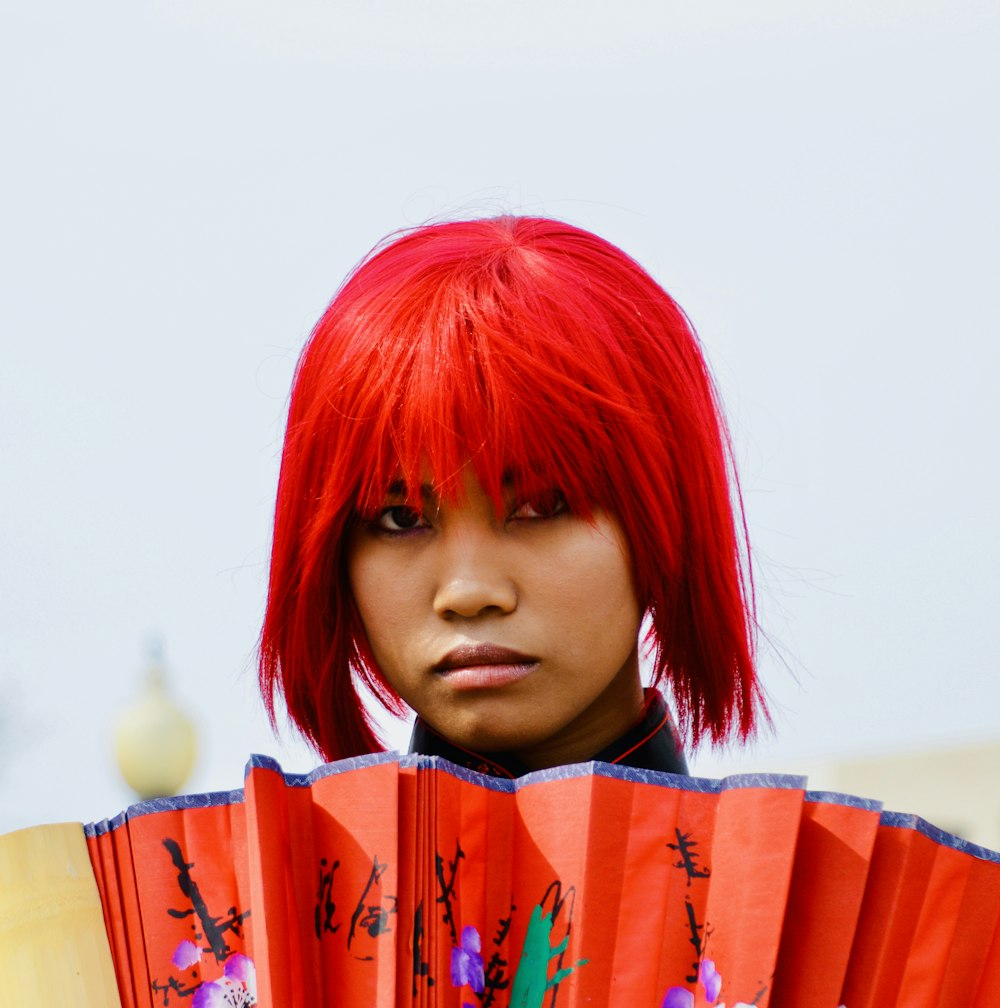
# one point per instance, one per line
(505, 472)
(504, 453)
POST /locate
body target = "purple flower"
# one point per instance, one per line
(186, 955)
(240, 969)
(209, 995)
(223, 993)
(467, 963)
(678, 997)
(711, 980)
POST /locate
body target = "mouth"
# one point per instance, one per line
(484, 666)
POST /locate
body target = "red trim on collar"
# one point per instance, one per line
(666, 717)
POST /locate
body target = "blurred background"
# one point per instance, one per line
(185, 183)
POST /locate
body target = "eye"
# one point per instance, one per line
(546, 504)
(400, 518)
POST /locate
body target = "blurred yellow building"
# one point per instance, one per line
(957, 789)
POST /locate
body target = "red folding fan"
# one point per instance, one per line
(386, 881)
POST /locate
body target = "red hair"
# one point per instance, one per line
(517, 345)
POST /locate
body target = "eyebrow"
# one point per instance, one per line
(398, 488)
(525, 472)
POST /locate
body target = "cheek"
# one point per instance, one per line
(594, 590)
(368, 589)
(386, 601)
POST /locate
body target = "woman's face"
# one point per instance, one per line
(514, 632)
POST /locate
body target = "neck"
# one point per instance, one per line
(650, 744)
(612, 714)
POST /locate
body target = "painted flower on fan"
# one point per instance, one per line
(236, 988)
(467, 963)
(186, 955)
(209, 995)
(240, 969)
(681, 997)
(710, 979)
(222, 993)
(678, 997)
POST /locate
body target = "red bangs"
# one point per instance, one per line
(525, 348)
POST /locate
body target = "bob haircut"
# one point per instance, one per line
(541, 355)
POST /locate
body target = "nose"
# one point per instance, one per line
(472, 577)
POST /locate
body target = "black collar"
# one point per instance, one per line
(650, 745)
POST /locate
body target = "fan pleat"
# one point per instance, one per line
(387, 882)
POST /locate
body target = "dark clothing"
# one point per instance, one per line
(650, 745)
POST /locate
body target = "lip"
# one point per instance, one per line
(484, 666)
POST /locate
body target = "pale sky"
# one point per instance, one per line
(185, 183)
